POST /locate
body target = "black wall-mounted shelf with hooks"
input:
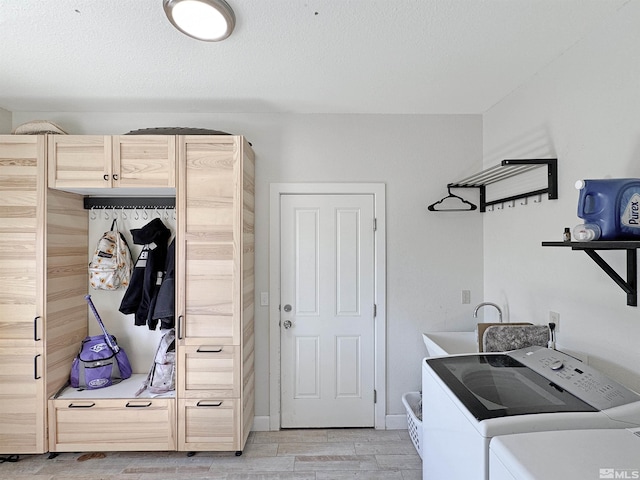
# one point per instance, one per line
(507, 169)
(129, 202)
(630, 285)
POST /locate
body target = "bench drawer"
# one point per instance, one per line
(111, 424)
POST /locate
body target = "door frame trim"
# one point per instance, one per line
(380, 321)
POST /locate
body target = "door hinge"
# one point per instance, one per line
(375, 224)
(375, 396)
(375, 310)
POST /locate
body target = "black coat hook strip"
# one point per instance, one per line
(129, 202)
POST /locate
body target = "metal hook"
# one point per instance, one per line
(174, 214)
(106, 214)
(123, 213)
(145, 214)
(156, 212)
(136, 214)
(92, 214)
(166, 213)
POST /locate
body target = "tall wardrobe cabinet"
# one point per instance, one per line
(43, 245)
(215, 298)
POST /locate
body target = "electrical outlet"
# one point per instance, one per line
(264, 299)
(554, 317)
(466, 296)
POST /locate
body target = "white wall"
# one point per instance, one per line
(5, 121)
(583, 108)
(431, 257)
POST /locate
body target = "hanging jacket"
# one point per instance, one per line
(146, 279)
(164, 310)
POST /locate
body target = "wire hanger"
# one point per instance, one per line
(468, 206)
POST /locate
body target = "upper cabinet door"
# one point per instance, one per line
(79, 161)
(208, 266)
(144, 161)
(22, 170)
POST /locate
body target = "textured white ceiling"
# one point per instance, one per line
(306, 56)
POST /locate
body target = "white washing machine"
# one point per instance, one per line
(469, 399)
(566, 455)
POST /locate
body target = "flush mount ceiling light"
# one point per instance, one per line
(208, 20)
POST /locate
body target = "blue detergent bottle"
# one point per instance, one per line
(613, 204)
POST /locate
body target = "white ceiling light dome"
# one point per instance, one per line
(207, 20)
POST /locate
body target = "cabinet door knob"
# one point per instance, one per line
(115, 176)
(287, 324)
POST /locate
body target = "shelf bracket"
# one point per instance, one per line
(630, 286)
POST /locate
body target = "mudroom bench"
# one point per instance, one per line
(112, 419)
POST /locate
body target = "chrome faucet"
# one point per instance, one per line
(488, 304)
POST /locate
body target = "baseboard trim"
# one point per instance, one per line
(260, 424)
(392, 422)
(396, 422)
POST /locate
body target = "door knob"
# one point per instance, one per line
(287, 308)
(287, 324)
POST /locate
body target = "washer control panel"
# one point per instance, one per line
(583, 381)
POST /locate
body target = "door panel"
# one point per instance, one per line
(327, 305)
(142, 161)
(22, 315)
(210, 228)
(79, 161)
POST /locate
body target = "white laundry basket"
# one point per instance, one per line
(412, 402)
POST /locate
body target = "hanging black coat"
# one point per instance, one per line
(148, 272)
(164, 310)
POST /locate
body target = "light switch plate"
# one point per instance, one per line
(466, 296)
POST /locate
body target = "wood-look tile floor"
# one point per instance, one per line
(331, 454)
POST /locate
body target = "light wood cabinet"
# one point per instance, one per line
(22, 334)
(214, 272)
(112, 424)
(209, 425)
(43, 252)
(144, 161)
(120, 161)
(210, 371)
(44, 249)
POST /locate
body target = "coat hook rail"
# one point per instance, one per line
(507, 169)
(129, 202)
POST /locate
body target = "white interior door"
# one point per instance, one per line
(327, 311)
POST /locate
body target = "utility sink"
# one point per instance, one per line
(450, 343)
